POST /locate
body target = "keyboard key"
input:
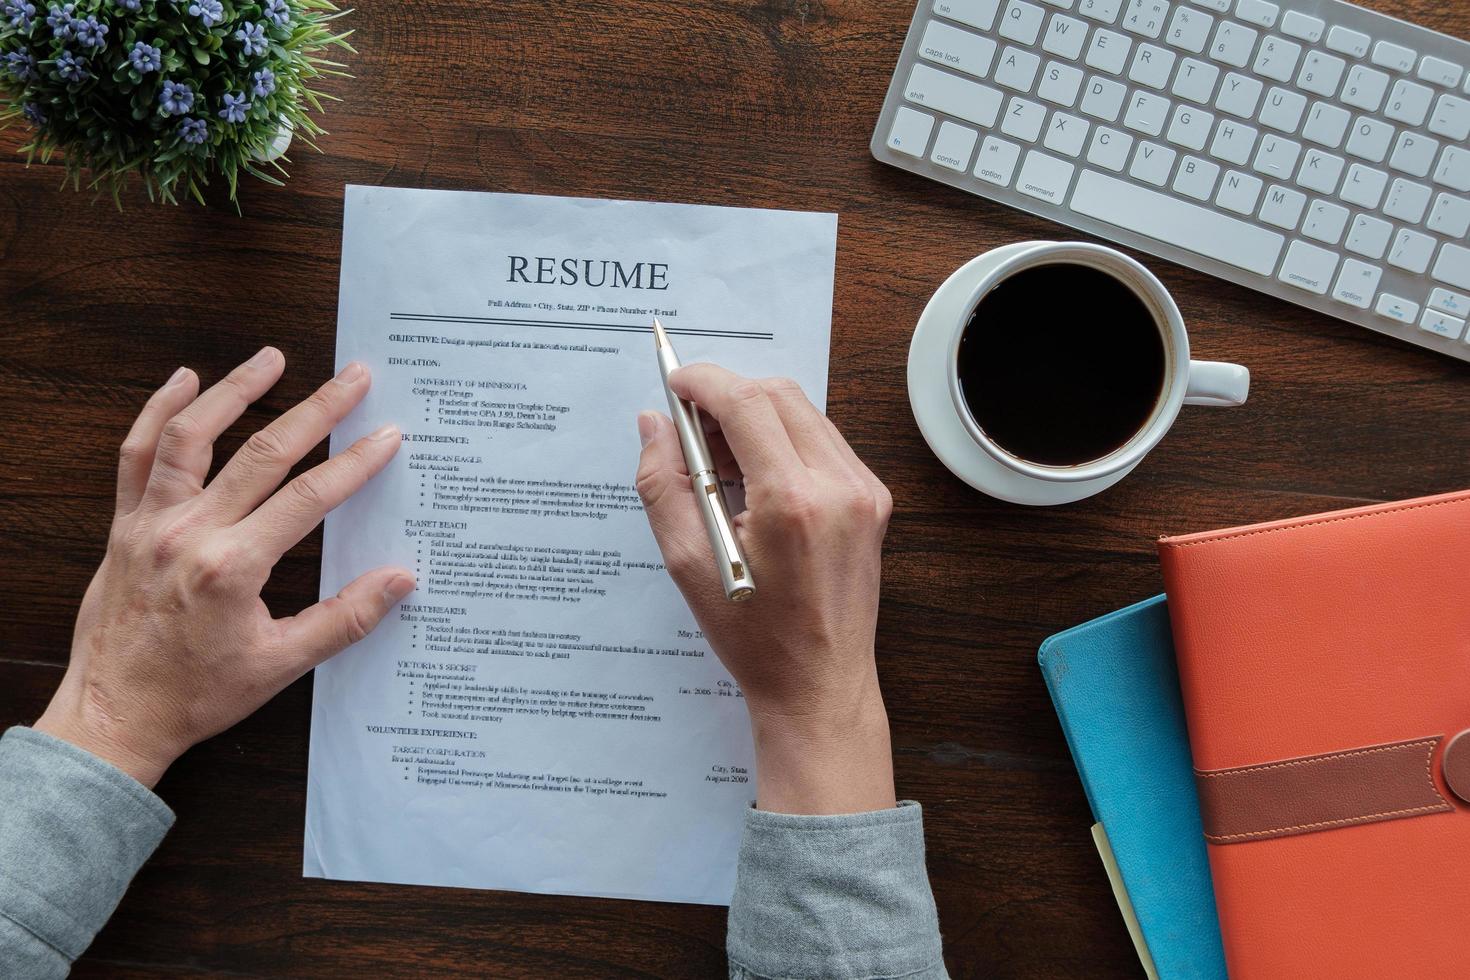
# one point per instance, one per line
(1326, 124)
(1319, 171)
(1257, 12)
(1023, 119)
(1233, 142)
(1221, 6)
(1414, 154)
(1411, 251)
(1450, 216)
(996, 160)
(1064, 37)
(1190, 29)
(1304, 26)
(954, 48)
(1277, 58)
(1369, 139)
(1397, 308)
(1409, 102)
(1153, 163)
(1066, 134)
(1365, 88)
(910, 132)
(1320, 73)
(1277, 157)
(1348, 42)
(1308, 267)
(1196, 178)
(1180, 223)
(1239, 192)
(1394, 57)
(1283, 109)
(1440, 72)
(1059, 83)
(954, 96)
(1190, 127)
(1451, 118)
(1239, 95)
(1105, 11)
(1195, 81)
(1357, 283)
(1406, 201)
(1021, 22)
(1451, 302)
(953, 146)
(1145, 17)
(1325, 222)
(1363, 186)
(1109, 148)
(1233, 44)
(1146, 113)
(1152, 65)
(1017, 69)
(1453, 266)
(1108, 52)
(1368, 236)
(1454, 168)
(1104, 98)
(1064, 4)
(976, 13)
(1442, 324)
(1044, 177)
(1282, 207)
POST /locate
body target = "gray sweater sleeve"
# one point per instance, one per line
(840, 896)
(73, 832)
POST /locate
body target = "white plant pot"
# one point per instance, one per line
(279, 145)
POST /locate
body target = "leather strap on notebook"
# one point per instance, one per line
(1392, 781)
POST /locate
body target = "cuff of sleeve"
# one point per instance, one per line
(73, 832)
(834, 896)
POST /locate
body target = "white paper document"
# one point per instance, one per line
(542, 714)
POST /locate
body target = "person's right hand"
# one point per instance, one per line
(802, 647)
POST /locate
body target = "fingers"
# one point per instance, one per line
(135, 459)
(749, 419)
(291, 513)
(332, 625)
(265, 459)
(668, 500)
(808, 428)
(186, 443)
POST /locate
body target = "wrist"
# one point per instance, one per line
(70, 723)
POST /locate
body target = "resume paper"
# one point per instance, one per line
(542, 714)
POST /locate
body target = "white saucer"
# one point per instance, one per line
(939, 418)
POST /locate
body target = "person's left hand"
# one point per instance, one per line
(173, 643)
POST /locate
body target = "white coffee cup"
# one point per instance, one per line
(960, 442)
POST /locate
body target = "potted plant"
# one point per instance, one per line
(172, 91)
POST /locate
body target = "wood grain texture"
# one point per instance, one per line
(743, 103)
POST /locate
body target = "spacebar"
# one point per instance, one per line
(1171, 220)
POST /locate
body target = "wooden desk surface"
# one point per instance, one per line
(742, 103)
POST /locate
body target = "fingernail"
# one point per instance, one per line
(647, 426)
(265, 357)
(177, 377)
(385, 432)
(349, 374)
(398, 587)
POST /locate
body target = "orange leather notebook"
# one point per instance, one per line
(1325, 668)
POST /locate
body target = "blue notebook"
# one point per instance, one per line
(1116, 690)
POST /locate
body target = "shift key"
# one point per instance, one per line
(970, 101)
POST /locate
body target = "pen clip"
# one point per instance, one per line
(721, 516)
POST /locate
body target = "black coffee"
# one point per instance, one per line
(1061, 364)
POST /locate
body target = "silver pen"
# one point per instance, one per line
(734, 570)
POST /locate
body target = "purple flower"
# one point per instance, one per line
(60, 21)
(193, 131)
(22, 65)
(145, 57)
(20, 13)
(277, 12)
(71, 67)
(252, 39)
(133, 5)
(34, 114)
(176, 98)
(90, 33)
(265, 83)
(209, 12)
(235, 107)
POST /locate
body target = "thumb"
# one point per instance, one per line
(329, 627)
(668, 500)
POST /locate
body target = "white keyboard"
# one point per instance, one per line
(1316, 152)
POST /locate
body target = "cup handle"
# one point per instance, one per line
(1217, 383)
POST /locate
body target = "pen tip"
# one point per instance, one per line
(659, 338)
